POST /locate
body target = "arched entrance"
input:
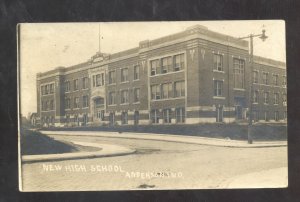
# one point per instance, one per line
(98, 109)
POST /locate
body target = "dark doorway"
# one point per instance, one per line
(136, 117)
(219, 114)
(240, 104)
(112, 118)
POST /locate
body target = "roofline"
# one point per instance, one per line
(193, 32)
(269, 62)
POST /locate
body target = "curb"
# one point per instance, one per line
(106, 150)
(201, 140)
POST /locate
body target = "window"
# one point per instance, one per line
(98, 80)
(284, 80)
(51, 88)
(155, 92)
(67, 118)
(154, 67)
(276, 98)
(100, 115)
(178, 62)
(67, 86)
(124, 75)
(112, 118)
(124, 118)
(85, 83)
(46, 105)
(180, 115)
(43, 90)
(85, 101)
(76, 119)
(266, 97)
(112, 77)
(43, 105)
(99, 102)
(67, 103)
(255, 96)
(51, 105)
(255, 116)
(136, 72)
(265, 78)
(46, 89)
(275, 79)
(155, 116)
(166, 90)
(167, 116)
(276, 116)
(124, 96)
(255, 76)
(136, 93)
(166, 65)
(218, 88)
(284, 115)
(284, 99)
(266, 118)
(239, 76)
(76, 84)
(218, 62)
(112, 98)
(179, 89)
(76, 102)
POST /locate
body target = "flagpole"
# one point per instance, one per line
(99, 39)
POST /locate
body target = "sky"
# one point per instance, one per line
(45, 46)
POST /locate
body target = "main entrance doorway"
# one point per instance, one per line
(99, 109)
(240, 111)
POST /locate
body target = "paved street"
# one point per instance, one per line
(155, 165)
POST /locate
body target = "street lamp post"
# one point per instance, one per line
(263, 37)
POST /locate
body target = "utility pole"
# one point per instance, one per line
(263, 37)
(250, 140)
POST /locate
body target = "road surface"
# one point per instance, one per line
(156, 165)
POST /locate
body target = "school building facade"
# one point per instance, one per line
(195, 76)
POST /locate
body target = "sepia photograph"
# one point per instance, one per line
(162, 105)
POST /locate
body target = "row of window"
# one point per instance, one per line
(124, 75)
(167, 115)
(167, 64)
(266, 97)
(165, 90)
(218, 91)
(47, 105)
(239, 72)
(266, 116)
(76, 102)
(265, 78)
(84, 82)
(78, 121)
(47, 89)
(124, 96)
(98, 79)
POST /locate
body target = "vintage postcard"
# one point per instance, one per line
(152, 105)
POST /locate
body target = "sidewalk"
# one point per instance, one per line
(273, 178)
(173, 138)
(105, 150)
